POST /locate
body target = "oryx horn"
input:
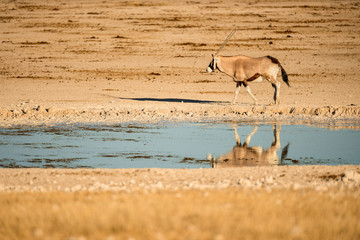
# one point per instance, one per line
(226, 40)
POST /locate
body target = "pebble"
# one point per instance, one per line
(76, 188)
(352, 176)
(153, 179)
(159, 185)
(245, 182)
(269, 180)
(296, 186)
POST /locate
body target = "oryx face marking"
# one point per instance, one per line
(211, 66)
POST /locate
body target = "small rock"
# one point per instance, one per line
(159, 185)
(16, 112)
(244, 182)
(269, 180)
(76, 188)
(40, 109)
(296, 186)
(352, 176)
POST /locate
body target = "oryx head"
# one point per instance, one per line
(213, 64)
(215, 60)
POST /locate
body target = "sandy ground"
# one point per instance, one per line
(97, 61)
(320, 178)
(120, 61)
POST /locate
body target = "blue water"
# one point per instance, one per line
(177, 145)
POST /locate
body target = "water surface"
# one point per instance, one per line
(178, 145)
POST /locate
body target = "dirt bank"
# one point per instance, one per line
(180, 112)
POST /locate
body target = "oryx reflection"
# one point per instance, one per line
(244, 155)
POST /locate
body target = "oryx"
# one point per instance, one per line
(244, 155)
(243, 70)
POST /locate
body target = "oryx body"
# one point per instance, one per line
(243, 70)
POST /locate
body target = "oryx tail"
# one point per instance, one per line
(283, 72)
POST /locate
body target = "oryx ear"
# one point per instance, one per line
(212, 55)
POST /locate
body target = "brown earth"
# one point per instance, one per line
(97, 61)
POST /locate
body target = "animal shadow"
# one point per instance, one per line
(171, 100)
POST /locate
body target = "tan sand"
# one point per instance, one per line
(318, 178)
(95, 61)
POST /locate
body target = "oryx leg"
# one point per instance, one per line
(252, 95)
(237, 90)
(276, 86)
(276, 131)
(248, 138)
(237, 138)
(256, 75)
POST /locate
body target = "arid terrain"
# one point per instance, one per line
(144, 61)
(92, 61)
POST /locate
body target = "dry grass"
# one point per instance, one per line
(225, 214)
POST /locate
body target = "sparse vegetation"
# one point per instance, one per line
(211, 214)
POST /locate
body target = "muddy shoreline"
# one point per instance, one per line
(186, 113)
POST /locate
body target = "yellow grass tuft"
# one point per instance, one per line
(213, 214)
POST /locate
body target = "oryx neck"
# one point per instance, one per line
(223, 64)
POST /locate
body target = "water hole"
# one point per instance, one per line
(179, 145)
